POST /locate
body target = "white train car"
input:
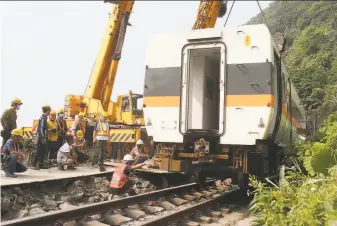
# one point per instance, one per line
(228, 88)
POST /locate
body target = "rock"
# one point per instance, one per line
(46, 197)
(52, 196)
(190, 223)
(20, 200)
(198, 195)
(245, 222)
(36, 211)
(167, 205)
(50, 204)
(189, 197)
(77, 194)
(135, 206)
(91, 200)
(177, 201)
(216, 214)
(18, 191)
(96, 217)
(204, 219)
(70, 223)
(79, 183)
(116, 197)
(65, 198)
(36, 205)
(151, 209)
(116, 219)
(207, 193)
(5, 202)
(213, 191)
(92, 223)
(67, 205)
(134, 213)
(22, 213)
(59, 202)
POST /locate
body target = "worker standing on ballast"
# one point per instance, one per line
(52, 138)
(12, 153)
(62, 128)
(101, 137)
(8, 120)
(42, 133)
(120, 182)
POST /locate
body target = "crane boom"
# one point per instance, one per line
(104, 72)
(103, 75)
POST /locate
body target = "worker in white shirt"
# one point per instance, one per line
(101, 137)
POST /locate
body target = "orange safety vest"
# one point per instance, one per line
(119, 178)
(101, 131)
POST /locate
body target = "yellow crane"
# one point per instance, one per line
(126, 118)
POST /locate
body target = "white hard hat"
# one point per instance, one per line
(127, 157)
(139, 142)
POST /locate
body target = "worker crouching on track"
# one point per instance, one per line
(41, 139)
(64, 157)
(101, 138)
(62, 128)
(78, 146)
(8, 120)
(52, 138)
(12, 154)
(138, 152)
(120, 182)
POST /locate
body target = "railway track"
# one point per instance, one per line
(153, 208)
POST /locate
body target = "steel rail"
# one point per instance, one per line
(176, 216)
(95, 208)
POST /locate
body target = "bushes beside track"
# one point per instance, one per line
(306, 195)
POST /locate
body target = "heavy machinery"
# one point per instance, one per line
(220, 100)
(125, 116)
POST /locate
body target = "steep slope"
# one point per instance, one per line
(310, 29)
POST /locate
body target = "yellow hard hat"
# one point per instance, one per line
(16, 101)
(17, 132)
(81, 115)
(46, 106)
(79, 133)
(105, 114)
(61, 110)
(52, 112)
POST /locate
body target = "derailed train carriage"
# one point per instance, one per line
(220, 100)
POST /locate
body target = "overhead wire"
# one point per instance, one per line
(229, 13)
(265, 19)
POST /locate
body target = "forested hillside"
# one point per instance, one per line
(310, 29)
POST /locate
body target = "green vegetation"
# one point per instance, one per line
(310, 29)
(308, 194)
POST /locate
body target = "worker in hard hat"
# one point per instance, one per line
(78, 147)
(64, 157)
(42, 138)
(13, 154)
(101, 137)
(52, 138)
(62, 128)
(8, 120)
(138, 152)
(120, 182)
(78, 124)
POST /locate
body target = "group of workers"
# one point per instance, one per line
(54, 145)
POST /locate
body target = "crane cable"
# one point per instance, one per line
(229, 13)
(265, 19)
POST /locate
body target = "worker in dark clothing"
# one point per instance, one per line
(12, 153)
(120, 182)
(62, 128)
(42, 136)
(8, 120)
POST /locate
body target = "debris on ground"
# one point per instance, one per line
(19, 202)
